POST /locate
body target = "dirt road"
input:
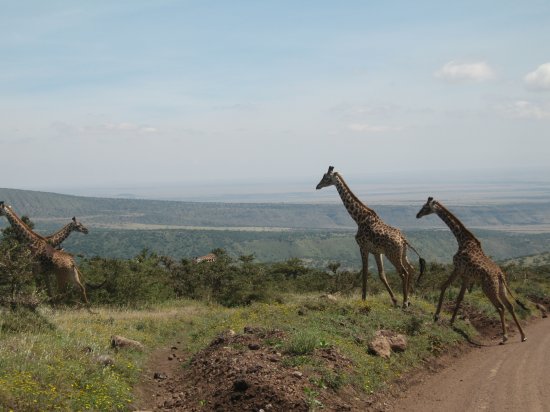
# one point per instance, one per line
(511, 377)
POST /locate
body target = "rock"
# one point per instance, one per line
(385, 341)
(160, 376)
(105, 360)
(329, 297)
(542, 310)
(398, 343)
(298, 374)
(380, 346)
(118, 342)
(253, 346)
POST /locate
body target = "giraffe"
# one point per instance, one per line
(211, 257)
(51, 259)
(55, 240)
(376, 237)
(59, 237)
(470, 263)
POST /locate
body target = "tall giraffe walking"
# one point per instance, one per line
(376, 237)
(51, 259)
(470, 263)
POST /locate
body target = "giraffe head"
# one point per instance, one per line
(79, 227)
(328, 179)
(427, 209)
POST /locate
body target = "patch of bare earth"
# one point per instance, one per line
(245, 372)
(248, 372)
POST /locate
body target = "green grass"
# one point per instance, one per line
(47, 366)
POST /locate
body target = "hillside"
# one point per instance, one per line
(136, 213)
(318, 233)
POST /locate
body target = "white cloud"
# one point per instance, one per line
(368, 128)
(115, 129)
(128, 127)
(458, 72)
(527, 110)
(539, 79)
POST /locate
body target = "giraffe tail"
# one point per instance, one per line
(519, 302)
(421, 263)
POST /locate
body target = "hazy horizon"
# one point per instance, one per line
(473, 187)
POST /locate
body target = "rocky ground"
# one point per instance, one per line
(248, 371)
(243, 372)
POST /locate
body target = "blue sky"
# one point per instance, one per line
(106, 93)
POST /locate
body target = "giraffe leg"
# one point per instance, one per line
(510, 307)
(410, 270)
(405, 280)
(76, 279)
(459, 300)
(364, 272)
(444, 287)
(382, 274)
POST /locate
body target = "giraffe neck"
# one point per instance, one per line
(462, 235)
(356, 209)
(20, 227)
(58, 237)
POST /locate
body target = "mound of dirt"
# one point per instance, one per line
(248, 372)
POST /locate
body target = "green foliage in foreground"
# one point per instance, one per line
(54, 368)
(48, 357)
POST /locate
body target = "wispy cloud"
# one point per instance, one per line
(460, 72)
(115, 129)
(369, 128)
(523, 109)
(538, 79)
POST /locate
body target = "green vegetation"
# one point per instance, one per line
(50, 356)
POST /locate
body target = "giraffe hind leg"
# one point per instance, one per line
(77, 280)
(510, 307)
(382, 275)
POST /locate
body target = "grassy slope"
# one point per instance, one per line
(45, 363)
(49, 366)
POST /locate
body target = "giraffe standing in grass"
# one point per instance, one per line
(376, 237)
(471, 263)
(51, 259)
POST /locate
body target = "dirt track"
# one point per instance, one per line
(511, 377)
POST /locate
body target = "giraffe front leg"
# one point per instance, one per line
(382, 274)
(364, 273)
(444, 287)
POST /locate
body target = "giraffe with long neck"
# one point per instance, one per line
(51, 259)
(59, 237)
(376, 237)
(471, 263)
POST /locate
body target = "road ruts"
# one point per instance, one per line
(511, 377)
